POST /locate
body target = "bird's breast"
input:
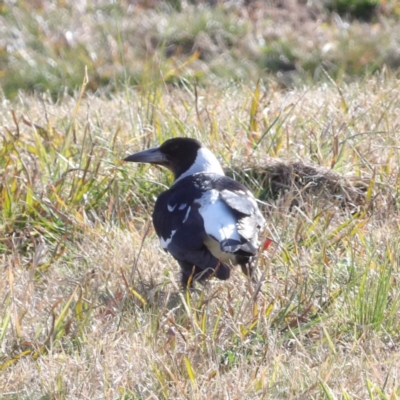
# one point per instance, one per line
(215, 249)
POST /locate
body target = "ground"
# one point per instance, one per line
(91, 304)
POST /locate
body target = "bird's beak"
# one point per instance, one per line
(151, 156)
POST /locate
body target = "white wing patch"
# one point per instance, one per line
(171, 208)
(166, 242)
(186, 215)
(219, 221)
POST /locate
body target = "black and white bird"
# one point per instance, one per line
(206, 220)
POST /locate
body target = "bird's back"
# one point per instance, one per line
(213, 206)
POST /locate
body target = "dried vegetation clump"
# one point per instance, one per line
(303, 183)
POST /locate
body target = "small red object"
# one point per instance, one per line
(266, 244)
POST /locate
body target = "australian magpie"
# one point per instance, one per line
(206, 220)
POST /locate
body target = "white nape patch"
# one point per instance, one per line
(204, 162)
(219, 221)
(182, 206)
(171, 208)
(186, 215)
(166, 242)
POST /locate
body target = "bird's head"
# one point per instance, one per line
(183, 156)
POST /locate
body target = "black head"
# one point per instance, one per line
(183, 156)
(181, 153)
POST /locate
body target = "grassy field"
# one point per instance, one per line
(300, 104)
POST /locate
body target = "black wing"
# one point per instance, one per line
(180, 227)
(172, 211)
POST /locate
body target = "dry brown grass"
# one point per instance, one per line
(324, 321)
